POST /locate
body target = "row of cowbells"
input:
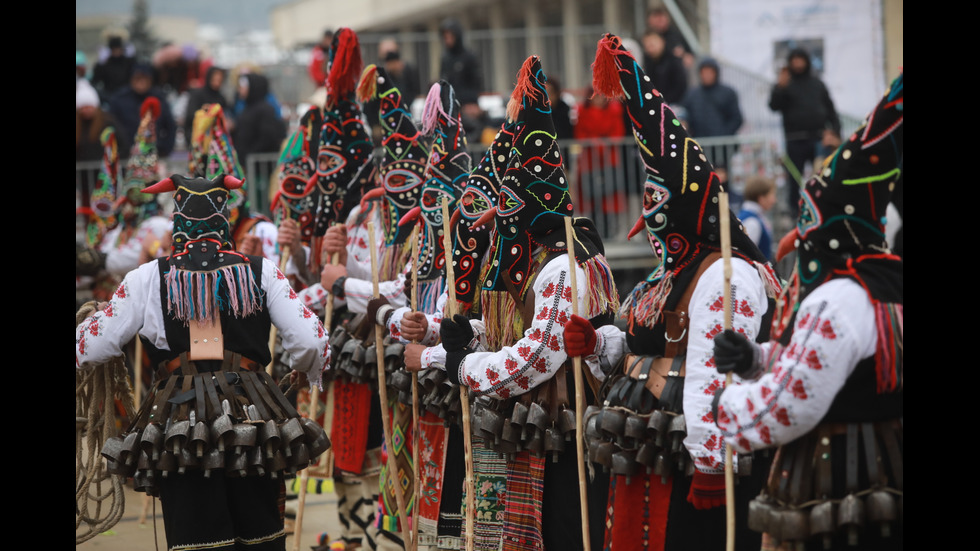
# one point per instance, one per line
(628, 443)
(535, 426)
(437, 394)
(879, 509)
(239, 448)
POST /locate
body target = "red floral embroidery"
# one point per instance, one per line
(108, 311)
(718, 305)
(710, 362)
(524, 351)
(523, 381)
(504, 393)
(827, 330)
(804, 321)
(492, 375)
(782, 416)
(306, 313)
(567, 294)
(723, 416)
(712, 443)
(121, 292)
(93, 327)
(714, 331)
(797, 389)
(764, 434)
(554, 344)
(812, 361)
(710, 390)
(511, 365)
(745, 310)
(548, 291)
(535, 335)
(292, 294)
(541, 365)
(543, 314)
(279, 274)
(749, 405)
(708, 418)
(744, 443)
(472, 383)
(766, 391)
(562, 317)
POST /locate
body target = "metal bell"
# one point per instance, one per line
(221, 430)
(635, 427)
(823, 522)
(760, 514)
(200, 438)
(269, 439)
(554, 441)
(624, 463)
(850, 517)
(613, 423)
(566, 423)
(657, 427)
(882, 510)
(519, 415)
(794, 524)
(151, 441)
(538, 417)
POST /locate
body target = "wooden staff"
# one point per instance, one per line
(304, 476)
(383, 392)
(726, 256)
(284, 258)
(579, 391)
(463, 394)
(416, 428)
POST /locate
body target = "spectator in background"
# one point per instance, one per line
(259, 128)
(210, 92)
(659, 20)
(665, 70)
(809, 118)
(712, 108)
(320, 59)
(90, 121)
(238, 103)
(460, 67)
(561, 113)
(760, 197)
(125, 104)
(113, 73)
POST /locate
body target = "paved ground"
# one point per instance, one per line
(129, 535)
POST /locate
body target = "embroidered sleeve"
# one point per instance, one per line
(302, 333)
(121, 258)
(359, 291)
(268, 234)
(610, 347)
(314, 297)
(749, 304)
(514, 370)
(101, 336)
(358, 254)
(834, 330)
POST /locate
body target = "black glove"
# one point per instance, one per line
(456, 333)
(734, 353)
(380, 306)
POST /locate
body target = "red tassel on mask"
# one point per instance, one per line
(605, 72)
(346, 66)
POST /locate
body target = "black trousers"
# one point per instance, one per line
(222, 512)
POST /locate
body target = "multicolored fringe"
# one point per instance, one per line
(393, 260)
(503, 321)
(197, 296)
(603, 296)
(429, 292)
(645, 305)
(890, 349)
(769, 279)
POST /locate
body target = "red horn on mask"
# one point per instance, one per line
(163, 186)
(637, 228)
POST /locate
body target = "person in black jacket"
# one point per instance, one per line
(210, 92)
(125, 107)
(259, 128)
(460, 67)
(809, 116)
(665, 69)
